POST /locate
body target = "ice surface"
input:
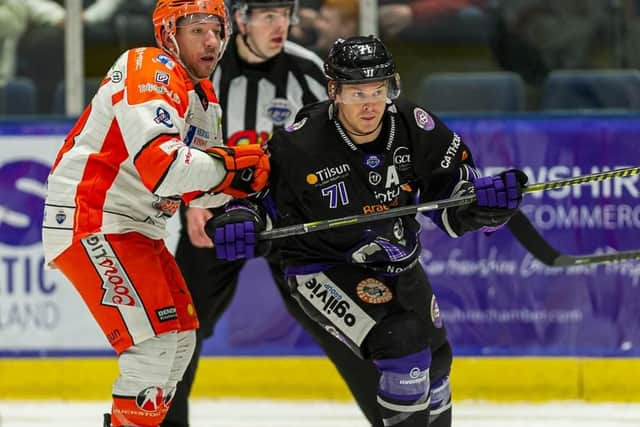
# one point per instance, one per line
(264, 413)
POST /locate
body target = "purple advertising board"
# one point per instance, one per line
(495, 298)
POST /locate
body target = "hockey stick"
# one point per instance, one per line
(522, 229)
(309, 227)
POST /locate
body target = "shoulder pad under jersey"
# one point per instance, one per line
(153, 74)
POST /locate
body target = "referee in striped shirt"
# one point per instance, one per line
(261, 83)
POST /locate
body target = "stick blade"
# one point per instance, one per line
(570, 260)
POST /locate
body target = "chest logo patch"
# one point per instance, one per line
(374, 178)
(423, 119)
(163, 117)
(373, 291)
(279, 110)
(372, 161)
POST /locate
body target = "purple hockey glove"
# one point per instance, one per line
(503, 191)
(497, 200)
(235, 231)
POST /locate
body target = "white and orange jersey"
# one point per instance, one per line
(128, 160)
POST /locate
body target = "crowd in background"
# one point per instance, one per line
(528, 37)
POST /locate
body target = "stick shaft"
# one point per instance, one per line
(309, 227)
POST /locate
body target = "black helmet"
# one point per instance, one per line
(358, 60)
(362, 60)
(245, 6)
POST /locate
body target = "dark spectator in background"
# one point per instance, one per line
(398, 16)
(304, 32)
(48, 70)
(15, 16)
(337, 19)
(533, 37)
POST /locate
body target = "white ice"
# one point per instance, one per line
(263, 413)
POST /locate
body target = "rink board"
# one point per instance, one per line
(525, 332)
(500, 379)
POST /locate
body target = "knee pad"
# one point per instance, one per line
(404, 387)
(398, 335)
(145, 369)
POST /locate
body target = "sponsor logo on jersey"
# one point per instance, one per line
(139, 57)
(451, 152)
(401, 157)
(279, 111)
(166, 206)
(162, 77)
(323, 294)
(166, 314)
(398, 229)
(165, 60)
(118, 289)
(328, 174)
(387, 196)
(150, 399)
(171, 146)
(373, 291)
(379, 207)
(197, 137)
(372, 161)
(423, 119)
(116, 76)
(374, 178)
(416, 376)
(297, 125)
(163, 117)
(162, 90)
(61, 217)
(436, 319)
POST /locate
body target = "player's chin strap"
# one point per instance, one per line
(245, 40)
(176, 56)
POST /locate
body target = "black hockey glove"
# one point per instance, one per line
(234, 232)
(497, 200)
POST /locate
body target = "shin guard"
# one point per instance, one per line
(184, 353)
(138, 393)
(403, 392)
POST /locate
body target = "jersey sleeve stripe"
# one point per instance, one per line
(71, 136)
(99, 174)
(155, 158)
(117, 97)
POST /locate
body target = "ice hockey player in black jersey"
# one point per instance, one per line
(365, 151)
(261, 82)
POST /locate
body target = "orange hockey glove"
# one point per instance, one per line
(247, 169)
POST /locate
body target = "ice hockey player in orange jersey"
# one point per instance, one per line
(149, 140)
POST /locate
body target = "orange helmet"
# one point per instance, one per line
(167, 13)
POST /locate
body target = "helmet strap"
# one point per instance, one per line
(176, 54)
(245, 40)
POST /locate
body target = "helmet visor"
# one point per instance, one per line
(197, 18)
(368, 92)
